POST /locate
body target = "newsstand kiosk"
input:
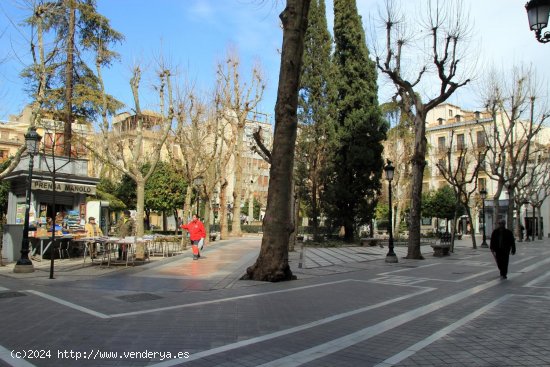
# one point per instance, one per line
(48, 205)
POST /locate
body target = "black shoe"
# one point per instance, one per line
(195, 257)
(503, 277)
(199, 256)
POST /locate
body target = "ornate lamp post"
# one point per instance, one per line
(538, 12)
(24, 264)
(389, 170)
(483, 195)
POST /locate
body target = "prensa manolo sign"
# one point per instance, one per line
(64, 187)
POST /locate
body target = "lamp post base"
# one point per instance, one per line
(23, 266)
(391, 258)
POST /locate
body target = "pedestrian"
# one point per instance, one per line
(502, 242)
(92, 230)
(125, 227)
(196, 234)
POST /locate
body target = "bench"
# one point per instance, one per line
(443, 246)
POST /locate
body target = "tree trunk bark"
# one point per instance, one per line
(67, 129)
(472, 231)
(315, 209)
(224, 233)
(187, 212)
(238, 188)
(251, 206)
(418, 163)
(272, 263)
(140, 191)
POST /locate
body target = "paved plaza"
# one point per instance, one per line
(347, 308)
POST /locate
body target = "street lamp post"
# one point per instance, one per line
(538, 12)
(24, 264)
(534, 227)
(389, 170)
(483, 194)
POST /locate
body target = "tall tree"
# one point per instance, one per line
(357, 161)
(517, 115)
(445, 29)
(272, 263)
(460, 168)
(315, 112)
(73, 91)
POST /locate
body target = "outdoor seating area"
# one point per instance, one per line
(106, 251)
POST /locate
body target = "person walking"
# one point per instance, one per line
(92, 230)
(125, 227)
(196, 234)
(502, 243)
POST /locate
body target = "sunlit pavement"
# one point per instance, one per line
(347, 308)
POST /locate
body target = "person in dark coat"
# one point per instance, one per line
(502, 242)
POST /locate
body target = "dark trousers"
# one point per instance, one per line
(503, 257)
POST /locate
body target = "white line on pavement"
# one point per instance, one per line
(362, 335)
(202, 303)
(338, 344)
(69, 304)
(393, 360)
(534, 266)
(105, 316)
(277, 334)
(537, 280)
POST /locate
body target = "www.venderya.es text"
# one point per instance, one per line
(96, 354)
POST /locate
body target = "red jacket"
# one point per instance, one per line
(196, 230)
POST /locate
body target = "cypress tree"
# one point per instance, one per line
(357, 162)
(315, 112)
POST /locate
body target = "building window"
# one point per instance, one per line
(460, 142)
(450, 113)
(441, 144)
(482, 184)
(481, 139)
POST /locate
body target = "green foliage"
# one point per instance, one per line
(126, 191)
(382, 211)
(165, 190)
(93, 37)
(106, 191)
(441, 204)
(357, 162)
(4, 189)
(316, 111)
(257, 206)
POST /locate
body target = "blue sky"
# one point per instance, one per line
(195, 34)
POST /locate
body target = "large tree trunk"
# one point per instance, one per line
(224, 233)
(315, 206)
(418, 163)
(510, 210)
(140, 191)
(67, 129)
(238, 188)
(472, 231)
(272, 263)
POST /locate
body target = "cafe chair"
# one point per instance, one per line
(64, 249)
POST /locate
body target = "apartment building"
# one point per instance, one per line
(455, 132)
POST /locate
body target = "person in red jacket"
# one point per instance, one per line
(196, 233)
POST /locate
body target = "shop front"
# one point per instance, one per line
(60, 206)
